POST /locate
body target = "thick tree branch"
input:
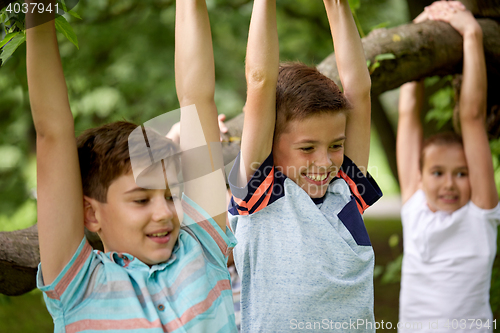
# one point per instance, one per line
(420, 50)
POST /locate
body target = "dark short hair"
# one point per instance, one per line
(301, 92)
(104, 156)
(440, 139)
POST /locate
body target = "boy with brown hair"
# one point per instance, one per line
(155, 275)
(304, 256)
(450, 210)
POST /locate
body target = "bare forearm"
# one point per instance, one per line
(411, 96)
(47, 86)
(262, 58)
(349, 52)
(409, 137)
(194, 61)
(474, 84)
(261, 70)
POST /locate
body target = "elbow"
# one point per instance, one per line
(261, 78)
(358, 86)
(49, 129)
(472, 113)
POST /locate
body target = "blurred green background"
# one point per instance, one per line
(124, 69)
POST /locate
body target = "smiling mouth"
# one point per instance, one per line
(162, 234)
(318, 179)
(448, 198)
(160, 237)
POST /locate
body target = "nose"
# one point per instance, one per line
(449, 181)
(323, 159)
(163, 210)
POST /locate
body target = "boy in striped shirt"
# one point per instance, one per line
(164, 264)
(303, 255)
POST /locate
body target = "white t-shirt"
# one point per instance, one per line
(446, 269)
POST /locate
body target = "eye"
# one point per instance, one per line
(142, 201)
(337, 146)
(462, 174)
(437, 173)
(306, 149)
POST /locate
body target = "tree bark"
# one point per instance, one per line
(19, 258)
(421, 50)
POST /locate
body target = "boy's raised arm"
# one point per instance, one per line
(261, 70)
(195, 83)
(355, 80)
(59, 187)
(409, 137)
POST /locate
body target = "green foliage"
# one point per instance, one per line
(63, 26)
(14, 40)
(378, 59)
(14, 28)
(442, 103)
(392, 271)
(495, 153)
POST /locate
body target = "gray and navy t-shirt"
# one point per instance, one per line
(303, 264)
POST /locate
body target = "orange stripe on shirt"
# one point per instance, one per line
(354, 189)
(107, 324)
(266, 199)
(207, 226)
(199, 308)
(142, 323)
(261, 190)
(60, 288)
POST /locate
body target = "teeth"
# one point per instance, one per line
(317, 178)
(160, 235)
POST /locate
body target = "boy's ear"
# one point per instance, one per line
(89, 214)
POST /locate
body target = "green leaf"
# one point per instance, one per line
(380, 25)
(63, 3)
(10, 47)
(384, 56)
(393, 240)
(74, 14)
(374, 67)
(354, 4)
(20, 25)
(393, 271)
(8, 38)
(368, 63)
(63, 26)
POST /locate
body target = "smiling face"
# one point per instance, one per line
(143, 223)
(310, 151)
(445, 179)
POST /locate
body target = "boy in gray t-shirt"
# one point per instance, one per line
(304, 256)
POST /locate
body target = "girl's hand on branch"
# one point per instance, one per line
(454, 13)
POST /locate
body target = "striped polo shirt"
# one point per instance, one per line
(304, 264)
(112, 292)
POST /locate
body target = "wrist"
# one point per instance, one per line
(473, 32)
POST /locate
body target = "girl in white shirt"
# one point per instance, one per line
(450, 208)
